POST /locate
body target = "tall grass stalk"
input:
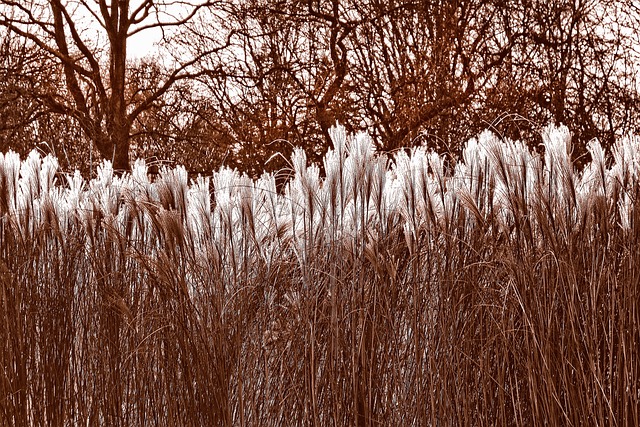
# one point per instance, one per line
(394, 290)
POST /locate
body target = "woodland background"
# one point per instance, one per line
(240, 83)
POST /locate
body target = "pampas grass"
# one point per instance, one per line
(392, 291)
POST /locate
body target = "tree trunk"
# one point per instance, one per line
(118, 125)
(113, 145)
(120, 142)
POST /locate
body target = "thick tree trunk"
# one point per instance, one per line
(119, 132)
(120, 143)
(114, 146)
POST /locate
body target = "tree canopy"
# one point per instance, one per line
(238, 82)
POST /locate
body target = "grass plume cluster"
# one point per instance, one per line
(501, 290)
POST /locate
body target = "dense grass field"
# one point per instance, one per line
(503, 289)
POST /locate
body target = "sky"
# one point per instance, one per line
(143, 44)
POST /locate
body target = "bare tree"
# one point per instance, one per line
(283, 81)
(398, 68)
(96, 75)
(20, 67)
(572, 63)
(421, 66)
(245, 80)
(434, 72)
